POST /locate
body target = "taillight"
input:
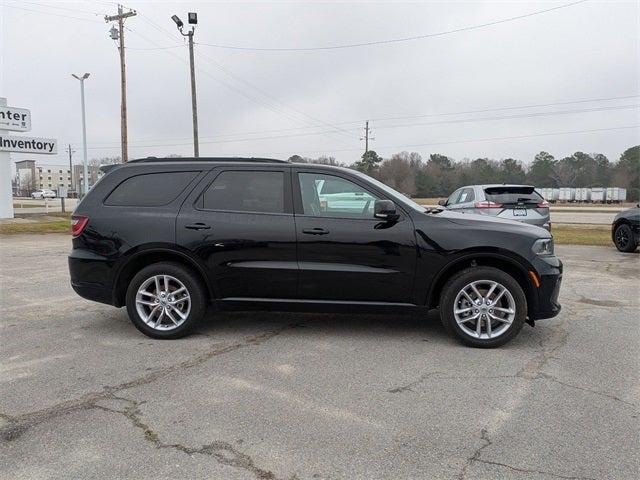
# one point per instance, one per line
(487, 204)
(543, 204)
(78, 222)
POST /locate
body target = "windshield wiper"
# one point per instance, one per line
(433, 210)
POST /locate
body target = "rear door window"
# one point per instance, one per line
(245, 191)
(150, 189)
(512, 195)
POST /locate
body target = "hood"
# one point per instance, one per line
(629, 213)
(489, 222)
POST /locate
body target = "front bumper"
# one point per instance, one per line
(549, 270)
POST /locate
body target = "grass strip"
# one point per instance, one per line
(599, 235)
(55, 226)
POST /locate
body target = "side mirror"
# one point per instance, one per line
(385, 210)
(442, 203)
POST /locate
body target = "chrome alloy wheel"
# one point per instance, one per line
(484, 309)
(163, 302)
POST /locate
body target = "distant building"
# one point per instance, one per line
(31, 177)
(94, 173)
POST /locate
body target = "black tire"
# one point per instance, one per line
(458, 282)
(624, 239)
(195, 290)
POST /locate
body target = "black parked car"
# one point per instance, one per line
(625, 229)
(168, 238)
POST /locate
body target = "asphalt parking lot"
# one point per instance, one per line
(292, 396)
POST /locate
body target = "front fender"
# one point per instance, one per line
(457, 261)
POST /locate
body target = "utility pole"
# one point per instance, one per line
(71, 152)
(118, 34)
(367, 136)
(193, 20)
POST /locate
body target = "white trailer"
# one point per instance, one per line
(549, 194)
(583, 194)
(543, 191)
(598, 194)
(616, 194)
(567, 194)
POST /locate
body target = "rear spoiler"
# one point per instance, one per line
(107, 168)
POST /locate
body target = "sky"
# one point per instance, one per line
(561, 81)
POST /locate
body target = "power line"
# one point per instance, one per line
(393, 40)
(474, 140)
(519, 107)
(46, 5)
(515, 137)
(443, 122)
(246, 82)
(163, 31)
(226, 84)
(441, 114)
(277, 105)
(51, 13)
(450, 142)
(274, 99)
(273, 108)
(170, 47)
(509, 117)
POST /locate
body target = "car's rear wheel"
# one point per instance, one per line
(483, 307)
(624, 239)
(165, 300)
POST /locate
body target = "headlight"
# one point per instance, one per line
(543, 246)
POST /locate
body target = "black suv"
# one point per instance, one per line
(168, 238)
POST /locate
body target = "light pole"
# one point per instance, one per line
(84, 133)
(193, 20)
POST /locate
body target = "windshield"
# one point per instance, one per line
(393, 193)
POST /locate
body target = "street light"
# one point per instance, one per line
(84, 132)
(193, 20)
(176, 19)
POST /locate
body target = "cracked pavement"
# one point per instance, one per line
(301, 396)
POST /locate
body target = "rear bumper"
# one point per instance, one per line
(90, 276)
(93, 292)
(532, 217)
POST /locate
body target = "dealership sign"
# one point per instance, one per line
(15, 119)
(28, 144)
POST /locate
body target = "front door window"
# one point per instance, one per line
(332, 196)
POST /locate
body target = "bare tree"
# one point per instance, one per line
(397, 172)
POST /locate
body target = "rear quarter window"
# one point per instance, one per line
(150, 189)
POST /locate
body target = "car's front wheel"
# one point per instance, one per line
(483, 307)
(624, 239)
(165, 300)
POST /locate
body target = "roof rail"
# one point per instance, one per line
(208, 159)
